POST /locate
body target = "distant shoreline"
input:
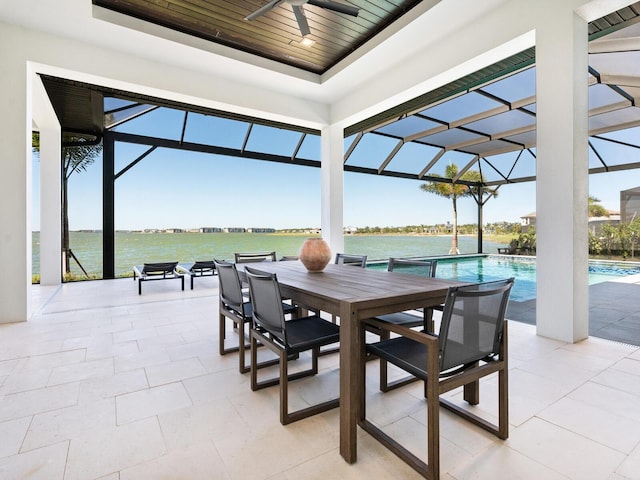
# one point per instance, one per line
(497, 238)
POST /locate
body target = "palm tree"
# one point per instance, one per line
(76, 158)
(451, 189)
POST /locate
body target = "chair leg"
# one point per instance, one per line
(431, 468)
(283, 379)
(501, 429)
(315, 353)
(242, 346)
(223, 335)
(330, 350)
(258, 340)
(241, 349)
(254, 360)
(429, 322)
(363, 374)
(503, 386)
(471, 391)
(334, 319)
(385, 385)
(433, 413)
(503, 404)
(284, 388)
(287, 417)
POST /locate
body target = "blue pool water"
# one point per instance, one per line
(494, 267)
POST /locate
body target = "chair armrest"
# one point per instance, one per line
(421, 337)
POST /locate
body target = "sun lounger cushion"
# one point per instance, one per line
(199, 268)
(156, 271)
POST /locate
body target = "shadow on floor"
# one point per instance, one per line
(614, 312)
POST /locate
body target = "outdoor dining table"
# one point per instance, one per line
(353, 294)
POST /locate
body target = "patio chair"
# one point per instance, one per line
(353, 260)
(199, 268)
(472, 344)
(424, 268)
(235, 306)
(156, 271)
(255, 257)
(286, 339)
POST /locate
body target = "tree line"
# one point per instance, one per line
(497, 228)
(612, 240)
(620, 239)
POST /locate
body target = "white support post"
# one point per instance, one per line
(562, 310)
(50, 184)
(15, 209)
(332, 190)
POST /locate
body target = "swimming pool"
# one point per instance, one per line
(485, 268)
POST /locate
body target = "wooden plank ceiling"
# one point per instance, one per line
(274, 35)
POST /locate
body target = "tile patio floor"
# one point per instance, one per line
(105, 384)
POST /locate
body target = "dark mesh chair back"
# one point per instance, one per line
(472, 322)
(230, 287)
(354, 260)
(160, 268)
(424, 268)
(267, 306)
(255, 257)
(202, 267)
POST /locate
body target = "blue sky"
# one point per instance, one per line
(179, 189)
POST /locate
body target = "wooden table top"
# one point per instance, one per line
(362, 286)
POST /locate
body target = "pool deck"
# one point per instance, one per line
(614, 310)
(103, 383)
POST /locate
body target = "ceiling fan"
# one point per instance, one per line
(298, 11)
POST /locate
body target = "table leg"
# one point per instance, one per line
(349, 384)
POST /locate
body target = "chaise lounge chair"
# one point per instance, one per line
(199, 268)
(156, 271)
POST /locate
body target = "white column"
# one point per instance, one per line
(50, 184)
(332, 198)
(15, 207)
(562, 177)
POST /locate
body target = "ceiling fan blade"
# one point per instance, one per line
(335, 6)
(262, 10)
(303, 25)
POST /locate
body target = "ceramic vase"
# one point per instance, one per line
(315, 254)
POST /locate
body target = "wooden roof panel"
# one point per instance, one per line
(274, 35)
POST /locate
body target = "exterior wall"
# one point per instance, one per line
(629, 205)
(528, 222)
(595, 226)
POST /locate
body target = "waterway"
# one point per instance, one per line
(134, 248)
